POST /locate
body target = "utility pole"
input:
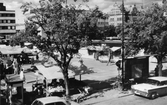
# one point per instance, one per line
(66, 2)
(123, 47)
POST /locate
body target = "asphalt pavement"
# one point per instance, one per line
(100, 73)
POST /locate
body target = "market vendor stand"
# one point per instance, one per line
(51, 73)
(15, 88)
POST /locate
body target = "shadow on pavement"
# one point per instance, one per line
(99, 87)
(76, 70)
(164, 72)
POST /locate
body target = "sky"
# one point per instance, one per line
(104, 5)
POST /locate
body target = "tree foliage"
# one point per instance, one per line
(65, 27)
(27, 35)
(148, 32)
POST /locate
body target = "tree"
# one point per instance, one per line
(64, 27)
(26, 35)
(148, 32)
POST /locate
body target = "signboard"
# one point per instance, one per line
(137, 68)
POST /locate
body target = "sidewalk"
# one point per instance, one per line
(108, 96)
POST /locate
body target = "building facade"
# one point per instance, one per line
(7, 23)
(115, 16)
(102, 22)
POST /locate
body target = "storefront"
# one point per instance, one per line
(137, 68)
(15, 89)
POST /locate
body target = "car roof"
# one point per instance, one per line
(50, 99)
(159, 78)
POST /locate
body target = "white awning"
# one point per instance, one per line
(115, 48)
(13, 50)
(27, 43)
(53, 72)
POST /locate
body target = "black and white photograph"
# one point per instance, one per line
(83, 52)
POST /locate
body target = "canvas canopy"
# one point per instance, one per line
(115, 48)
(53, 72)
(13, 50)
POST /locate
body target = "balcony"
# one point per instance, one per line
(7, 24)
(7, 31)
(7, 18)
(8, 11)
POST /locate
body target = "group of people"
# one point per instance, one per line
(56, 87)
(10, 65)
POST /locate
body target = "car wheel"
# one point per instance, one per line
(154, 95)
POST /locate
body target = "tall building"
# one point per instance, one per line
(7, 23)
(102, 22)
(115, 16)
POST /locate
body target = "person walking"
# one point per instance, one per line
(110, 55)
(83, 69)
(15, 66)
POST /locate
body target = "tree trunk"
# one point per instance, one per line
(159, 61)
(66, 83)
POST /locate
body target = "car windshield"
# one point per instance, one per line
(56, 103)
(153, 82)
(51, 104)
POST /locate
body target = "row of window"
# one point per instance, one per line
(115, 12)
(7, 21)
(7, 15)
(102, 23)
(8, 27)
(116, 24)
(118, 19)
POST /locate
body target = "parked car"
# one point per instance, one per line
(52, 100)
(152, 88)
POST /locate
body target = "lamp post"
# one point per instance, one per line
(123, 47)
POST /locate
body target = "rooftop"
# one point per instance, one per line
(46, 100)
(159, 78)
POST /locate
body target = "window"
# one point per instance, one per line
(111, 19)
(51, 104)
(4, 27)
(12, 21)
(119, 19)
(37, 103)
(118, 24)
(4, 21)
(117, 12)
(163, 83)
(60, 103)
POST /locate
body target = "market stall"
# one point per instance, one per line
(53, 72)
(53, 77)
(14, 89)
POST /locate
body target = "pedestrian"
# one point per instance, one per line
(37, 57)
(15, 66)
(44, 82)
(9, 65)
(83, 68)
(110, 55)
(22, 76)
(156, 70)
(10, 95)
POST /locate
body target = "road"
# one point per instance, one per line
(132, 100)
(101, 73)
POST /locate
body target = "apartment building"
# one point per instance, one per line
(115, 15)
(102, 22)
(7, 23)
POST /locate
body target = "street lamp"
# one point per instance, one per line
(123, 47)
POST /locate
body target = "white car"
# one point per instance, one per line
(153, 88)
(53, 100)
